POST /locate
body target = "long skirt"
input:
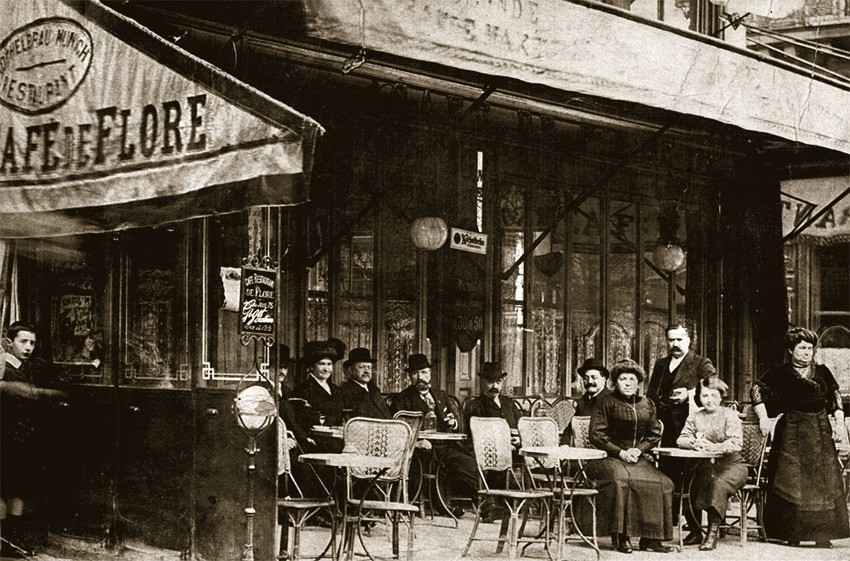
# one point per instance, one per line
(634, 499)
(714, 482)
(805, 494)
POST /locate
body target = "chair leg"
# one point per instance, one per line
(503, 530)
(410, 538)
(745, 507)
(475, 522)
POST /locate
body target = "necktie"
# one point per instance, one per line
(429, 401)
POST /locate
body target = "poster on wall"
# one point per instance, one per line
(257, 305)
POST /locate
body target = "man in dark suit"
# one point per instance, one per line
(420, 396)
(360, 395)
(594, 376)
(490, 402)
(672, 388)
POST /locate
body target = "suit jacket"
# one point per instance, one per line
(484, 406)
(317, 401)
(691, 370)
(293, 423)
(362, 402)
(586, 404)
(410, 400)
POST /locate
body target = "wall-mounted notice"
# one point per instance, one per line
(258, 295)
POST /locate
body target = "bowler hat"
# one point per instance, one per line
(284, 357)
(416, 362)
(314, 351)
(492, 372)
(359, 354)
(593, 364)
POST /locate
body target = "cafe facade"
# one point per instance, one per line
(488, 186)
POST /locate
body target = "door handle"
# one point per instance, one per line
(212, 411)
(134, 409)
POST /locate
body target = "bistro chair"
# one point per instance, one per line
(581, 431)
(491, 439)
(422, 466)
(295, 507)
(752, 493)
(386, 438)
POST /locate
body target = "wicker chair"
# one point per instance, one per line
(298, 509)
(581, 431)
(491, 439)
(752, 493)
(385, 438)
(421, 461)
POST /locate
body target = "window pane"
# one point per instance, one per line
(585, 284)
(622, 279)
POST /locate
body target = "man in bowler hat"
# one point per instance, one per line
(491, 402)
(420, 396)
(361, 397)
(594, 377)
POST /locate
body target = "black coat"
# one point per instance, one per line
(362, 402)
(484, 406)
(409, 399)
(317, 401)
(688, 374)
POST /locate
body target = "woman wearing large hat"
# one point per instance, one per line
(321, 402)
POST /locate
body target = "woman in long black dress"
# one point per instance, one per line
(635, 499)
(805, 495)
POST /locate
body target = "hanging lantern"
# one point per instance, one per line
(668, 256)
(429, 232)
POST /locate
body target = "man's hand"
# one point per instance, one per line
(630, 456)
(422, 444)
(679, 395)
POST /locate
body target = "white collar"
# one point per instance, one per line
(675, 362)
(13, 360)
(323, 384)
(361, 384)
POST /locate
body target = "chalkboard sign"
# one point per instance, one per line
(257, 305)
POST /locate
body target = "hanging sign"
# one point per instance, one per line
(805, 198)
(466, 240)
(257, 304)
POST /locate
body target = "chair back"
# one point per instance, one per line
(563, 411)
(284, 465)
(491, 442)
(581, 431)
(539, 431)
(386, 438)
(413, 420)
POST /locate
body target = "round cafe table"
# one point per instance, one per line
(562, 454)
(673, 452)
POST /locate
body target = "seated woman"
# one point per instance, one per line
(716, 429)
(634, 497)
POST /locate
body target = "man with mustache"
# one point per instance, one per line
(420, 396)
(361, 397)
(491, 403)
(672, 388)
(594, 376)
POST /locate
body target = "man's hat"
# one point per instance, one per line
(359, 354)
(416, 362)
(492, 372)
(284, 357)
(593, 364)
(314, 351)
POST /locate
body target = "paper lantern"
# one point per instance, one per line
(429, 233)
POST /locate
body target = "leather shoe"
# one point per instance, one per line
(457, 511)
(692, 538)
(654, 545)
(621, 543)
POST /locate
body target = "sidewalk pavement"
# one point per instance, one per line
(439, 540)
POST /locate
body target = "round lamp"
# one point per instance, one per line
(255, 409)
(429, 232)
(668, 257)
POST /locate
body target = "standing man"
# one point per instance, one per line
(420, 396)
(674, 381)
(22, 469)
(672, 388)
(360, 395)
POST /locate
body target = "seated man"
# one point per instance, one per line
(420, 396)
(360, 395)
(594, 376)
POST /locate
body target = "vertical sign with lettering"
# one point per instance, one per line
(257, 304)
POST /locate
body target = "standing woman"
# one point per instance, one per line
(715, 429)
(635, 499)
(805, 496)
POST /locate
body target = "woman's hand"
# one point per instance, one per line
(764, 425)
(630, 456)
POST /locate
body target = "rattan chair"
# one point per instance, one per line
(581, 431)
(491, 439)
(386, 438)
(295, 507)
(752, 493)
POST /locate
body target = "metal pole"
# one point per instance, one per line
(248, 551)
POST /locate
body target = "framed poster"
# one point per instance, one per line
(257, 305)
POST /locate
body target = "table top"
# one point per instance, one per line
(345, 459)
(433, 435)
(563, 452)
(674, 452)
(322, 430)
